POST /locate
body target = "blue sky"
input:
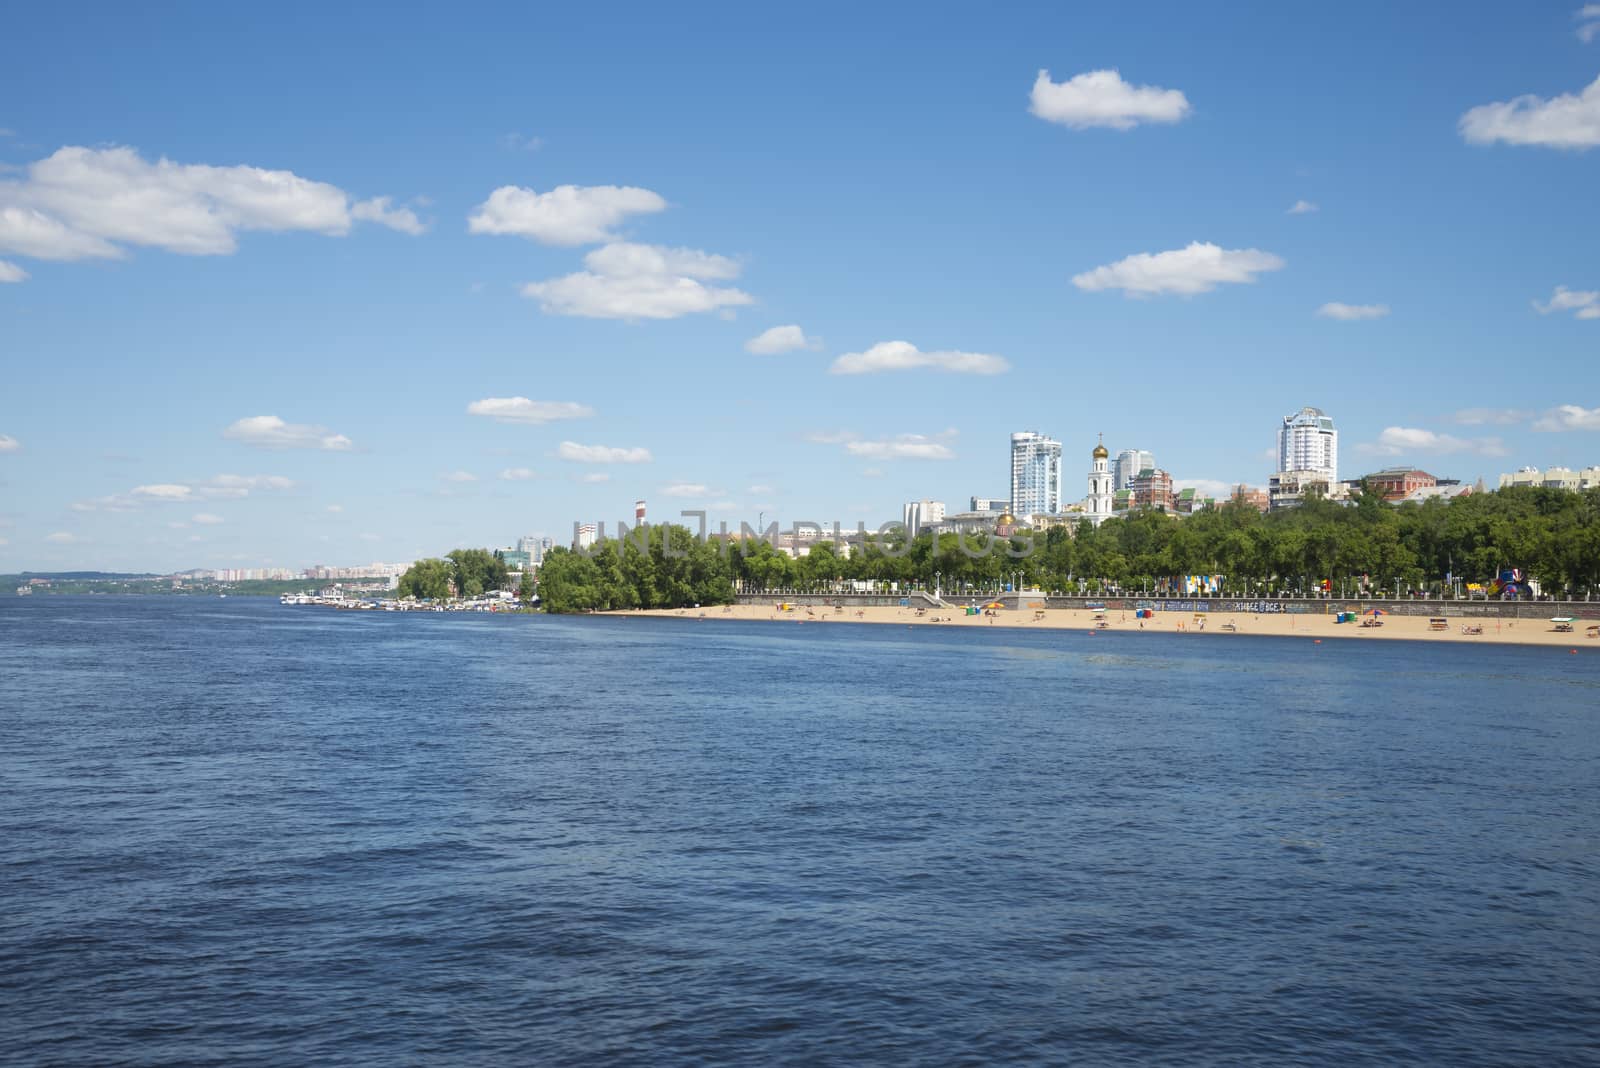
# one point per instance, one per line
(244, 356)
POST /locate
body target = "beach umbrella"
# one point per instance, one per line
(994, 604)
(1376, 612)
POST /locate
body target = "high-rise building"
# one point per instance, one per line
(1307, 441)
(1128, 464)
(1097, 506)
(920, 515)
(1035, 474)
(990, 504)
(535, 546)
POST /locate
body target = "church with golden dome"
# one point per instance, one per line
(1097, 506)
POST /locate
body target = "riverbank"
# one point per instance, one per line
(1213, 624)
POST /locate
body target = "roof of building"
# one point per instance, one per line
(1399, 472)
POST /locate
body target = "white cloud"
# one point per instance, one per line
(1351, 312)
(164, 492)
(516, 474)
(1216, 489)
(628, 281)
(523, 410)
(335, 508)
(1584, 304)
(62, 537)
(516, 142)
(687, 489)
(1102, 98)
(567, 215)
(1491, 416)
(1302, 207)
(602, 454)
(596, 476)
(9, 443)
(904, 356)
(241, 485)
(378, 210)
(222, 487)
(1197, 268)
(1564, 121)
(780, 339)
(206, 519)
(10, 272)
(1589, 15)
(30, 232)
(83, 203)
(270, 432)
(460, 476)
(904, 447)
(761, 489)
(1395, 440)
(370, 537)
(1569, 417)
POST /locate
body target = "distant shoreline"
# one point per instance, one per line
(1527, 632)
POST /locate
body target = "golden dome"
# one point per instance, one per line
(1100, 452)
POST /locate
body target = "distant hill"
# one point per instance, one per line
(82, 576)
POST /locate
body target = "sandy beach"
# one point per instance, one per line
(1216, 624)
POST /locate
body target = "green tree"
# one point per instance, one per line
(427, 580)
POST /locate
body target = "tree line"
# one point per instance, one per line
(1551, 535)
(460, 573)
(668, 567)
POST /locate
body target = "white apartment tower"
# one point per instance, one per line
(1035, 475)
(1097, 506)
(1128, 464)
(1307, 441)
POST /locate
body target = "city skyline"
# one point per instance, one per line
(361, 317)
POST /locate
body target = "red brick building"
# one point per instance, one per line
(1152, 489)
(1397, 483)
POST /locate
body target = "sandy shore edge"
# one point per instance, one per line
(1215, 624)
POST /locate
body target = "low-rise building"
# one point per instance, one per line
(1251, 497)
(1152, 490)
(1445, 491)
(1563, 478)
(921, 515)
(1289, 489)
(974, 522)
(1397, 483)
